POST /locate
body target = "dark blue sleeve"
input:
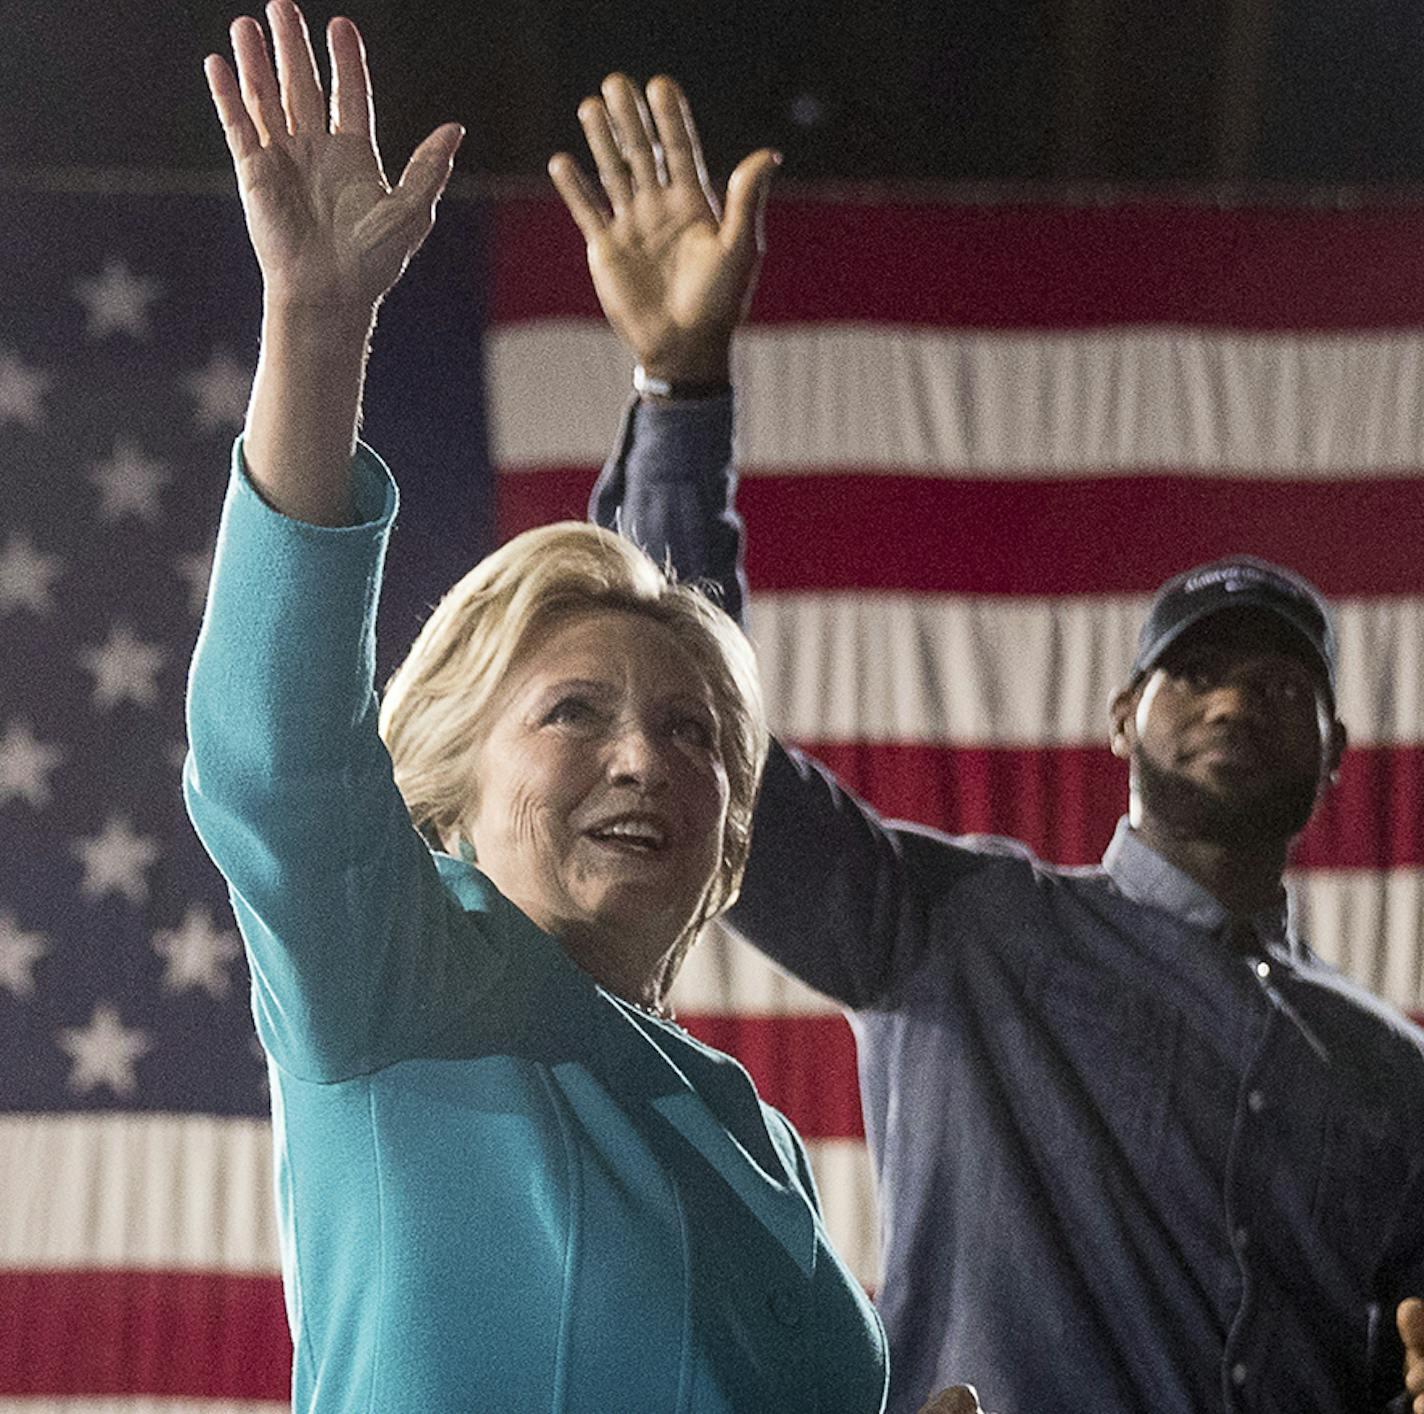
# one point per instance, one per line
(670, 486)
(832, 893)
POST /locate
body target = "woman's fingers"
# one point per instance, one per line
(634, 127)
(237, 125)
(682, 152)
(296, 69)
(428, 170)
(612, 169)
(257, 80)
(352, 110)
(571, 184)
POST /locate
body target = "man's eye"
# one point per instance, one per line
(1287, 689)
(1198, 675)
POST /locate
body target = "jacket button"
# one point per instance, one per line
(785, 1307)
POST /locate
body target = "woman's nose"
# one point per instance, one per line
(638, 758)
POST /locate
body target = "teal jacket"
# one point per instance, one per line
(500, 1187)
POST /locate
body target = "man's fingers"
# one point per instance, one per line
(612, 169)
(237, 125)
(743, 227)
(352, 110)
(1410, 1319)
(296, 68)
(257, 80)
(578, 195)
(959, 1399)
(682, 152)
(634, 127)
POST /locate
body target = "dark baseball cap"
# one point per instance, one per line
(1239, 582)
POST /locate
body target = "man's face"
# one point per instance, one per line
(1231, 736)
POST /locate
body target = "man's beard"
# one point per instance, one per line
(1277, 812)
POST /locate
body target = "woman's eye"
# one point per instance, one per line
(694, 730)
(570, 711)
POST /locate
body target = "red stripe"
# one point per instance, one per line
(1065, 801)
(1027, 267)
(804, 1065)
(170, 1334)
(1080, 535)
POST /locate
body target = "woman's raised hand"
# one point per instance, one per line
(328, 228)
(674, 275)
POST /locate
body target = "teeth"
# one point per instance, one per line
(631, 830)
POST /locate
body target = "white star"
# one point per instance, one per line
(25, 764)
(105, 1052)
(221, 391)
(124, 668)
(114, 861)
(195, 571)
(197, 953)
(21, 388)
(26, 575)
(117, 300)
(128, 483)
(19, 951)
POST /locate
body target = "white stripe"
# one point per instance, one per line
(986, 671)
(1369, 924)
(149, 1192)
(135, 1404)
(81, 1192)
(724, 976)
(1018, 404)
(846, 1183)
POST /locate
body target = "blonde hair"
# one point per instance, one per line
(437, 703)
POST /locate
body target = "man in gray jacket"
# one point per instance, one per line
(1137, 1149)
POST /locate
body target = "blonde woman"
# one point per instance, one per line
(507, 1179)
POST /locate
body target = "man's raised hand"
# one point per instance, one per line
(673, 273)
(1410, 1317)
(328, 229)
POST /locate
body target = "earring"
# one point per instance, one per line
(467, 851)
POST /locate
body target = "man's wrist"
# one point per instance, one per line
(651, 387)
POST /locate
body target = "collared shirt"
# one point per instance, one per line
(1130, 1157)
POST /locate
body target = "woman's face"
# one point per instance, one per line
(601, 796)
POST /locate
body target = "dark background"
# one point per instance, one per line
(1256, 93)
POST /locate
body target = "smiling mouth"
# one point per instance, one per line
(633, 835)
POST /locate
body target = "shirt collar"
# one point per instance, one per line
(1145, 877)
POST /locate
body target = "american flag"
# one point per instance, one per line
(138, 1249)
(974, 437)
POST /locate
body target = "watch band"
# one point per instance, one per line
(646, 386)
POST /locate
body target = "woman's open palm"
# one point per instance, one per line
(327, 226)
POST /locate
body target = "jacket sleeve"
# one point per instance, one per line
(670, 486)
(358, 954)
(832, 893)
